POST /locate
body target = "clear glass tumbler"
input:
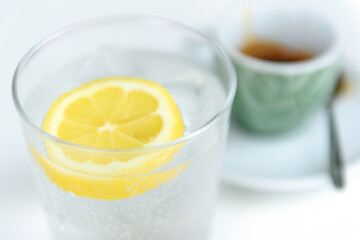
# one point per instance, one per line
(175, 199)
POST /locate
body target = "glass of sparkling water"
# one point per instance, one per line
(174, 201)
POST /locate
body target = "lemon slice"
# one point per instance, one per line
(111, 113)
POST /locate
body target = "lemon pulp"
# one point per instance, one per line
(111, 113)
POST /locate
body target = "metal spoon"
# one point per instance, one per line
(337, 163)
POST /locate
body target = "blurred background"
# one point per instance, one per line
(247, 214)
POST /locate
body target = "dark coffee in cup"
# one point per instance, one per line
(272, 51)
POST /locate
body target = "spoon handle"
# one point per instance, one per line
(337, 164)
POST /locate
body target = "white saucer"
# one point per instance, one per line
(297, 160)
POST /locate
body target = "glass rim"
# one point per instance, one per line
(145, 19)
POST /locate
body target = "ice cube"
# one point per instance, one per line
(107, 61)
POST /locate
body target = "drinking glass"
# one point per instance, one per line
(173, 201)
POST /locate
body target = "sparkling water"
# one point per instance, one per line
(176, 210)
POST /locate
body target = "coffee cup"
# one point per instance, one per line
(275, 96)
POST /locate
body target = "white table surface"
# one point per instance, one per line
(240, 214)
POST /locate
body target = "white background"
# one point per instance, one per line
(317, 214)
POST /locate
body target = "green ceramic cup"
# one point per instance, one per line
(274, 97)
